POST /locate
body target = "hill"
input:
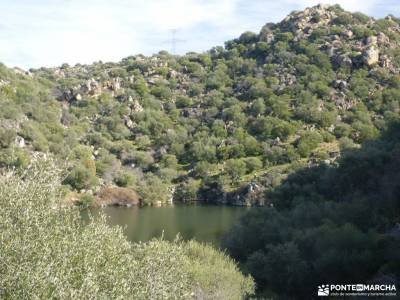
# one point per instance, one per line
(327, 224)
(221, 126)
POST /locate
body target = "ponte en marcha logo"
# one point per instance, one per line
(357, 290)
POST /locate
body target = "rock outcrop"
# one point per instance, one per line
(371, 56)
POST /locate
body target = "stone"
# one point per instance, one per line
(113, 84)
(93, 87)
(371, 41)
(19, 142)
(129, 123)
(269, 38)
(382, 39)
(172, 74)
(330, 51)
(348, 34)
(385, 61)
(136, 107)
(4, 82)
(340, 84)
(371, 56)
(344, 61)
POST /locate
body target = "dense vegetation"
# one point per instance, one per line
(328, 224)
(47, 252)
(275, 118)
(221, 126)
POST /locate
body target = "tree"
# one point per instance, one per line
(253, 163)
(308, 142)
(326, 223)
(153, 190)
(188, 190)
(81, 177)
(258, 107)
(235, 169)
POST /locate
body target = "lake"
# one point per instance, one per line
(205, 223)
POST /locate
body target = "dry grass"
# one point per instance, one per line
(117, 196)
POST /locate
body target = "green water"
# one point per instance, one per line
(200, 222)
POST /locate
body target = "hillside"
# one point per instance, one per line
(330, 224)
(221, 126)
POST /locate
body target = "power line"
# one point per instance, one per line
(173, 41)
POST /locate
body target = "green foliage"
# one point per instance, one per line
(7, 137)
(253, 163)
(179, 117)
(188, 190)
(86, 200)
(308, 142)
(125, 179)
(344, 19)
(235, 169)
(15, 157)
(153, 190)
(55, 255)
(81, 177)
(327, 224)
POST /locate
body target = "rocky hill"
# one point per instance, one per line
(221, 126)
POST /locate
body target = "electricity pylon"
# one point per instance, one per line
(174, 40)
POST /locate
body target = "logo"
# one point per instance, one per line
(323, 290)
(371, 290)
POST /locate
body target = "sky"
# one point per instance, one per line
(36, 33)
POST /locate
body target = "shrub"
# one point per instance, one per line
(188, 190)
(308, 142)
(86, 200)
(81, 177)
(343, 19)
(7, 137)
(253, 163)
(153, 190)
(125, 179)
(14, 157)
(235, 169)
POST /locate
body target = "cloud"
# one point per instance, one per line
(365, 6)
(50, 32)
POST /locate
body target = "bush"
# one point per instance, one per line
(7, 137)
(187, 191)
(153, 190)
(253, 163)
(308, 142)
(14, 157)
(343, 19)
(125, 179)
(86, 200)
(235, 169)
(81, 177)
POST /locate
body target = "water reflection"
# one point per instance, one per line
(201, 222)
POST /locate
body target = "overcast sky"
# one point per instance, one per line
(36, 33)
